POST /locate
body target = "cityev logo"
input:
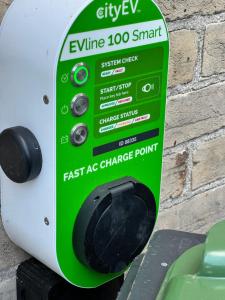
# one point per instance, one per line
(113, 11)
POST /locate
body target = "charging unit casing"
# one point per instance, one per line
(89, 80)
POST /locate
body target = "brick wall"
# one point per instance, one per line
(194, 164)
(194, 169)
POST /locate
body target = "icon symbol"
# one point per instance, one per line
(65, 78)
(147, 88)
(121, 143)
(64, 110)
(64, 140)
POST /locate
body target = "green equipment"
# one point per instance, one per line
(82, 131)
(199, 274)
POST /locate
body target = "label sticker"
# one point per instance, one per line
(106, 124)
(124, 123)
(115, 103)
(113, 72)
(125, 142)
(113, 39)
(110, 162)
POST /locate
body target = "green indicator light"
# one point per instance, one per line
(80, 74)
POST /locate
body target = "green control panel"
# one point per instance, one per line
(111, 99)
(123, 97)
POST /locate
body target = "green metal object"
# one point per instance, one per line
(199, 274)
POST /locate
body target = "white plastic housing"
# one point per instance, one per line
(31, 37)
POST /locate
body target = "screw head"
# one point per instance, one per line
(46, 99)
(46, 221)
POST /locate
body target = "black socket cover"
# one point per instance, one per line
(114, 225)
(20, 154)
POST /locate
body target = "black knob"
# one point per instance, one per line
(114, 225)
(20, 154)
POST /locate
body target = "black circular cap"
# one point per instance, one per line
(20, 154)
(114, 225)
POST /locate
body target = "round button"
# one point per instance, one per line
(80, 74)
(80, 105)
(20, 154)
(79, 134)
